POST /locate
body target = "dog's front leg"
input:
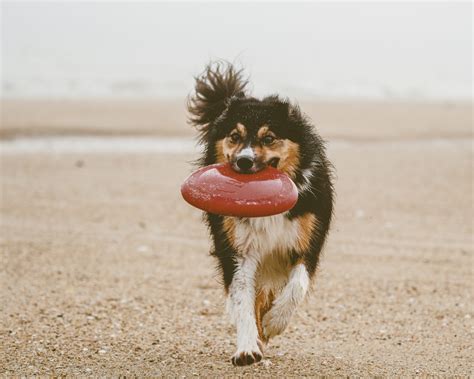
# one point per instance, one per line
(277, 319)
(241, 308)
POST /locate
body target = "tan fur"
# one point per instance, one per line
(307, 224)
(241, 129)
(263, 303)
(290, 157)
(225, 148)
(264, 131)
(220, 155)
(288, 152)
(228, 225)
(260, 152)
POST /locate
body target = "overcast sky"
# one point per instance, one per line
(305, 50)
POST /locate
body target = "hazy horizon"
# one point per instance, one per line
(307, 50)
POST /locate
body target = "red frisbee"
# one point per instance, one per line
(221, 190)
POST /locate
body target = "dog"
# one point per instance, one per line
(267, 263)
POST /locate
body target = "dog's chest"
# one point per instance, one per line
(263, 235)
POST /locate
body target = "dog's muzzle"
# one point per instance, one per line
(245, 161)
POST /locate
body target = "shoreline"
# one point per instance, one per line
(73, 144)
(333, 119)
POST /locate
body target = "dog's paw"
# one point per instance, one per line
(248, 356)
(244, 358)
(275, 322)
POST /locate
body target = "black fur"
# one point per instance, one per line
(214, 87)
(219, 102)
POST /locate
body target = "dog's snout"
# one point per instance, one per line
(245, 163)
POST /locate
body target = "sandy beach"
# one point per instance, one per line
(105, 269)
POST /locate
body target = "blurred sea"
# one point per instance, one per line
(306, 50)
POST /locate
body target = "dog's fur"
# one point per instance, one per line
(267, 263)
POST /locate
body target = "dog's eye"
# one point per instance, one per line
(235, 137)
(268, 140)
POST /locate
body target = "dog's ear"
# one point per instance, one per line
(289, 114)
(294, 113)
(215, 88)
(282, 107)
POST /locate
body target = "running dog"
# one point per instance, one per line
(266, 263)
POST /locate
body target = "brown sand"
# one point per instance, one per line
(105, 270)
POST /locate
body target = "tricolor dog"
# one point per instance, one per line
(267, 263)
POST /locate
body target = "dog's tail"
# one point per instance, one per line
(219, 82)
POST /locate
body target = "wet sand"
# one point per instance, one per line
(357, 120)
(105, 269)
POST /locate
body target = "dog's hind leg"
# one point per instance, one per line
(277, 318)
(241, 308)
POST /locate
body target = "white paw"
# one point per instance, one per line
(244, 357)
(275, 322)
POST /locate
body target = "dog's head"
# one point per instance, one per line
(252, 134)
(249, 133)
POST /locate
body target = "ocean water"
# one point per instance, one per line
(382, 50)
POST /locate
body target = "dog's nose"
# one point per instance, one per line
(245, 163)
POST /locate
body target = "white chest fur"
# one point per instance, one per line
(263, 235)
(267, 242)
